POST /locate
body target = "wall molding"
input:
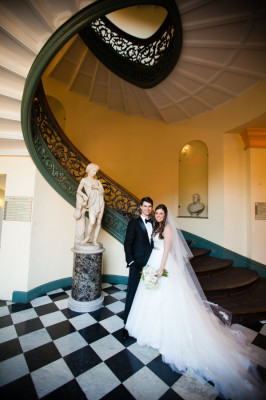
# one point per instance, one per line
(254, 137)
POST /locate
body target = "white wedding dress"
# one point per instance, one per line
(173, 319)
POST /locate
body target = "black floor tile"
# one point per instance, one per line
(81, 360)
(121, 314)
(255, 326)
(22, 389)
(101, 314)
(124, 364)
(16, 307)
(125, 342)
(67, 288)
(163, 370)
(61, 329)
(69, 391)
(59, 296)
(46, 309)
(6, 320)
(109, 300)
(41, 356)
(28, 326)
(2, 303)
(111, 290)
(69, 313)
(120, 392)
(260, 341)
(171, 395)
(9, 349)
(93, 332)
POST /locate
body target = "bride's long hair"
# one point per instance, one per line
(157, 227)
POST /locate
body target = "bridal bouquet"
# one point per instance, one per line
(148, 275)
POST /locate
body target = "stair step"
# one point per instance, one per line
(235, 280)
(247, 308)
(198, 253)
(210, 266)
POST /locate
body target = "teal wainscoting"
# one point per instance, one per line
(221, 252)
(25, 297)
(196, 241)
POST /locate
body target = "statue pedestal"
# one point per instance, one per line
(87, 278)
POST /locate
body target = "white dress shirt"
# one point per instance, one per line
(148, 226)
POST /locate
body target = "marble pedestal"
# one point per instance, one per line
(87, 279)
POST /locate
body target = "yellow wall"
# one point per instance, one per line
(142, 155)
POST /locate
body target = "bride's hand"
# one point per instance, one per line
(159, 273)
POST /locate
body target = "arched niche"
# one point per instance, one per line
(193, 180)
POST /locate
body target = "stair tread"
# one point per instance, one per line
(199, 251)
(233, 278)
(254, 302)
(211, 264)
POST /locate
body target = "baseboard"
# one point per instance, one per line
(25, 297)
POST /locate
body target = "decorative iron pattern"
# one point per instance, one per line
(147, 55)
(72, 162)
(142, 62)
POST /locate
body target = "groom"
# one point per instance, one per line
(138, 246)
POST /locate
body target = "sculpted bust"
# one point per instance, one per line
(196, 207)
(90, 198)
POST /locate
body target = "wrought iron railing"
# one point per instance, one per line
(67, 166)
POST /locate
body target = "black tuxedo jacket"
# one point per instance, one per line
(137, 245)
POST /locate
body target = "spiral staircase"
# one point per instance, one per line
(212, 69)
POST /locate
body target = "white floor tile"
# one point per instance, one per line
(52, 318)
(34, 339)
(116, 307)
(248, 333)
(112, 324)
(24, 315)
(62, 304)
(263, 330)
(8, 333)
(143, 353)
(119, 295)
(107, 347)
(69, 343)
(82, 321)
(55, 291)
(97, 382)
(105, 285)
(260, 355)
(51, 377)
(12, 369)
(4, 311)
(40, 301)
(144, 385)
(191, 387)
(121, 286)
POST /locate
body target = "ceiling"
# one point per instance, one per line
(223, 56)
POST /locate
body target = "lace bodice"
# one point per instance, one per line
(158, 243)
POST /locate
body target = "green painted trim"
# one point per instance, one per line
(25, 297)
(221, 252)
(115, 279)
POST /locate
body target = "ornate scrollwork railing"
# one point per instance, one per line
(143, 62)
(146, 54)
(67, 166)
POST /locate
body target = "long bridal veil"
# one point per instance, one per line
(182, 254)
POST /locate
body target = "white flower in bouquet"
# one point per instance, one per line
(149, 276)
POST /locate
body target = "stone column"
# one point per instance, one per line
(87, 279)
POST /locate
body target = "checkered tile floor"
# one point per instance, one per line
(48, 351)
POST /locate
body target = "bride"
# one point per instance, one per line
(176, 319)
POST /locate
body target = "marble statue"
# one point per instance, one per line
(90, 197)
(196, 207)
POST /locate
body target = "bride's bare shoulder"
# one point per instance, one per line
(167, 230)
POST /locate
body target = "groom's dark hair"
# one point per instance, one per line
(147, 199)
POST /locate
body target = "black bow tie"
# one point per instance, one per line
(149, 220)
